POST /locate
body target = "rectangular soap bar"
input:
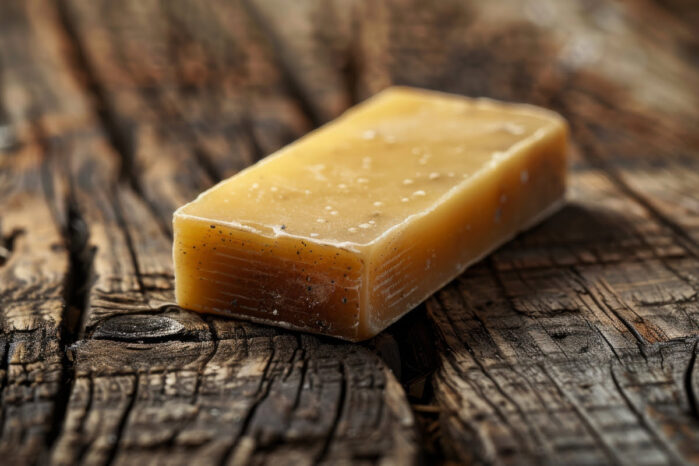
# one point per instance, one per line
(347, 229)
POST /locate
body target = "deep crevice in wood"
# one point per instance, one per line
(88, 406)
(262, 393)
(100, 102)
(295, 87)
(202, 369)
(322, 454)
(257, 152)
(78, 285)
(674, 456)
(7, 245)
(351, 71)
(409, 349)
(118, 139)
(80, 275)
(77, 281)
(114, 451)
(689, 382)
(116, 203)
(205, 162)
(4, 367)
(610, 451)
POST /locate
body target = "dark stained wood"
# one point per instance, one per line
(575, 343)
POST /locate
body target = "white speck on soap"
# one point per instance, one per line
(378, 204)
(419, 193)
(434, 175)
(364, 225)
(407, 181)
(369, 134)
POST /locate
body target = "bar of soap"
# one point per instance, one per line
(352, 226)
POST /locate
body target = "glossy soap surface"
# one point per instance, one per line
(353, 225)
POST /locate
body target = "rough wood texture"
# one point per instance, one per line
(146, 381)
(575, 343)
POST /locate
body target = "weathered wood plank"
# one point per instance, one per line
(577, 342)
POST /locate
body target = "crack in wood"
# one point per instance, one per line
(293, 83)
(497, 409)
(77, 283)
(7, 244)
(116, 136)
(201, 371)
(690, 385)
(674, 456)
(123, 421)
(257, 152)
(100, 102)
(263, 389)
(116, 205)
(325, 449)
(612, 453)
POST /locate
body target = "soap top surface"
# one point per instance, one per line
(396, 155)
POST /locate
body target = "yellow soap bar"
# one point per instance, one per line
(347, 229)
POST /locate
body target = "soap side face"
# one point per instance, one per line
(411, 263)
(281, 281)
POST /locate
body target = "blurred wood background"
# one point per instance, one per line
(575, 343)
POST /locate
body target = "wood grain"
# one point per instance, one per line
(575, 343)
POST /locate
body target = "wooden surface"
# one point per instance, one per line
(575, 343)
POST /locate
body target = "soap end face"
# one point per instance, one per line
(408, 266)
(283, 281)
